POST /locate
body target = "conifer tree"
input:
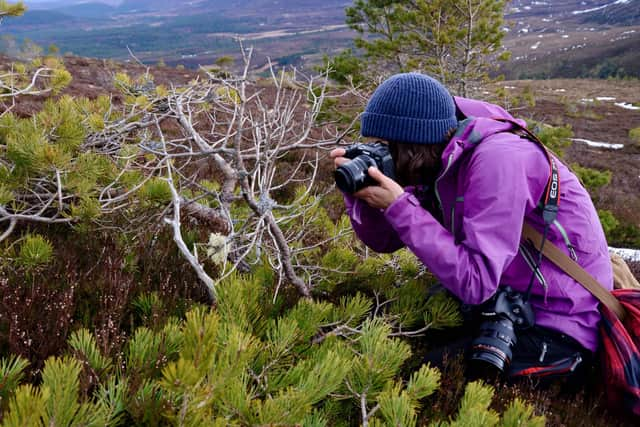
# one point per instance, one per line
(11, 9)
(456, 41)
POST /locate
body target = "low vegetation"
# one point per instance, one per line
(176, 255)
(634, 134)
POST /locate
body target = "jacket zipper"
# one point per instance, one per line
(453, 218)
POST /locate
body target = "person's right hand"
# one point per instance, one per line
(337, 154)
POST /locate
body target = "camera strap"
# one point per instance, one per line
(551, 196)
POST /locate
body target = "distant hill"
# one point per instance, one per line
(88, 10)
(37, 18)
(55, 4)
(586, 38)
(576, 38)
(620, 12)
(238, 6)
(612, 12)
(156, 5)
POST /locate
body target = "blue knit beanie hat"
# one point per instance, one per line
(409, 107)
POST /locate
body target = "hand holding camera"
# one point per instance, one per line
(367, 172)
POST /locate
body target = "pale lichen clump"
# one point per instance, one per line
(217, 248)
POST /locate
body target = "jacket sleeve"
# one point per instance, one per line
(496, 196)
(371, 226)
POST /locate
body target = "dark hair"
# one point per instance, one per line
(418, 164)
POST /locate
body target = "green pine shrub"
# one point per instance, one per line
(475, 410)
(51, 147)
(625, 235)
(85, 348)
(374, 273)
(156, 191)
(148, 306)
(634, 134)
(528, 97)
(442, 312)
(35, 250)
(556, 138)
(313, 362)
(57, 400)
(608, 221)
(617, 232)
(12, 8)
(592, 179)
(11, 374)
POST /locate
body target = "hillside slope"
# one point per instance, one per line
(584, 38)
(619, 12)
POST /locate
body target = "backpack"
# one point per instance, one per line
(622, 276)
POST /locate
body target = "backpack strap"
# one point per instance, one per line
(573, 269)
(551, 198)
(551, 195)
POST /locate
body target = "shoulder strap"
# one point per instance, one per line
(573, 269)
(551, 197)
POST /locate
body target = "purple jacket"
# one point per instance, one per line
(485, 192)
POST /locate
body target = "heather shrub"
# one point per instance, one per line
(92, 280)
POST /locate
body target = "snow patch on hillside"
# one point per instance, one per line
(632, 255)
(593, 9)
(598, 144)
(626, 106)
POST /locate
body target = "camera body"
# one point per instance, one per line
(353, 176)
(506, 312)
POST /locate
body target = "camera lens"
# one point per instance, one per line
(495, 342)
(352, 176)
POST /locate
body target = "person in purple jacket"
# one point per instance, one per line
(462, 192)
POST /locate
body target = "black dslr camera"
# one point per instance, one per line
(506, 312)
(353, 176)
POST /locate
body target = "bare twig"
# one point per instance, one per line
(182, 246)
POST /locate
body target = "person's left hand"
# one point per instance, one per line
(382, 195)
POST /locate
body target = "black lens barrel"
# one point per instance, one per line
(495, 343)
(353, 176)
